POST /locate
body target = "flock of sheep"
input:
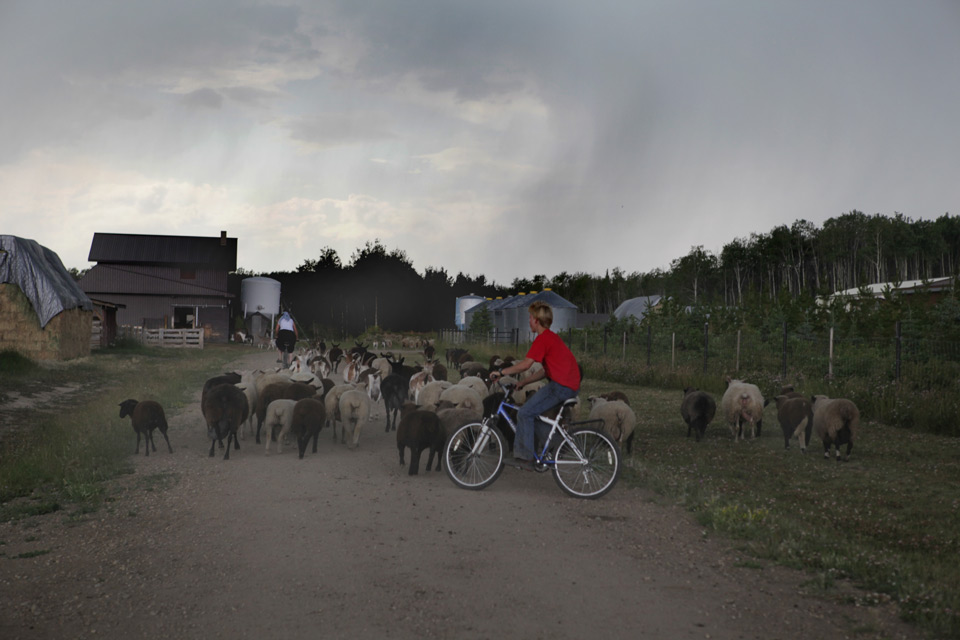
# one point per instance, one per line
(834, 420)
(424, 408)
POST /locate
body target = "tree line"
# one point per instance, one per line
(790, 265)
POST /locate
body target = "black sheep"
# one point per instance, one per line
(698, 408)
(224, 409)
(309, 414)
(146, 416)
(419, 429)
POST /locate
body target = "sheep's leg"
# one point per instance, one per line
(137, 451)
(316, 436)
(150, 437)
(849, 449)
(415, 460)
(400, 448)
(226, 455)
(213, 444)
(801, 432)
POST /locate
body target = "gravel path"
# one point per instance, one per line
(345, 544)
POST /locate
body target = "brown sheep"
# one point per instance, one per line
(836, 421)
(698, 409)
(146, 416)
(419, 429)
(795, 414)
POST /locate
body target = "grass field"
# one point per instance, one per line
(887, 521)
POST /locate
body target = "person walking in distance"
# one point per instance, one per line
(287, 336)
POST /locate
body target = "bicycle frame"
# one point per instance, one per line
(556, 428)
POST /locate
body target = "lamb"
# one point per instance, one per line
(742, 403)
(430, 394)
(224, 408)
(277, 422)
(280, 390)
(836, 421)
(419, 429)
(619, 420)
(463, 397)
(795, 414)
(309, 415)
(145, 416)
(354, 410)
(698, 409)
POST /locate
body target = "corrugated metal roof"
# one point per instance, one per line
(130, 248)
(154, 280)
(550, 297)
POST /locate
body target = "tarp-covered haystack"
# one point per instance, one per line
(43, 313)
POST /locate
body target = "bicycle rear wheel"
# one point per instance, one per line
(474, 456)
(590, 470)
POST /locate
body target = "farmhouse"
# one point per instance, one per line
(164, 282)
(43, 313)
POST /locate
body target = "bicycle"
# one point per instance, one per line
(585, 461)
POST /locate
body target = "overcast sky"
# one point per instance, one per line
(500, 138)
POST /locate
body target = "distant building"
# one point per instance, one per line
(637, 307)
(44, 315)
(464, 304)
(935, 288)
(164, 281)
(510, 314)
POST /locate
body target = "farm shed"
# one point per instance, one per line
(165, 282)
(637, 307)
(510, 313)
(43, 313)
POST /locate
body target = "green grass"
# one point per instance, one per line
(65, 456)
(887, 522)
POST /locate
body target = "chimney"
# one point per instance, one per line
(223, 238)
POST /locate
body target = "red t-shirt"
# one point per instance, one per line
(558, 361)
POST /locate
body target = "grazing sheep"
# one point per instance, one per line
(145, 416)
(836, 421)
(430, 394)
(394, 391)
(419, 429)
(463, 397)
(697, 408)
(619, 420)
(354, 411)
(224, 408)
(277, 422)
(742, 404)
(309, 415)
(795, 414)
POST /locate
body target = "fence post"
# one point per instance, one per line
(738, 350)
(830, 360)
(623, 355)
(706, 345)
(899, 345)
(605, 331)
(673, 350)
(783, 373)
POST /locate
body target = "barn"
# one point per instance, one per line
(510, 314)
(164, 282)
(44, 315)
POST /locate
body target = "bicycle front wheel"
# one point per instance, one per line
(474, 456)
(589, 466)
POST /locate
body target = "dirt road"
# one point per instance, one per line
(344, 544)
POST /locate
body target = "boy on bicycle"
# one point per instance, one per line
(561, 370)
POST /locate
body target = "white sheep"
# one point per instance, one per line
(619, 420)
(430, 394)
(836, 421)
(383, 366)
(463, 397)
(331, 402)
(250, 391)
(742, 403)
(354, 409)
(279, 416)
(476, 384)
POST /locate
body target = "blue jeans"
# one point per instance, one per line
(529, 425)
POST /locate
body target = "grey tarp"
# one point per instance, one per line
(41, 276)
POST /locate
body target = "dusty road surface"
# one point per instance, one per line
(344, 544)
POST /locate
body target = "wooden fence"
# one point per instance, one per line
(183, 338)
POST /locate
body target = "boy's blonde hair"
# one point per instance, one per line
(542, 313)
